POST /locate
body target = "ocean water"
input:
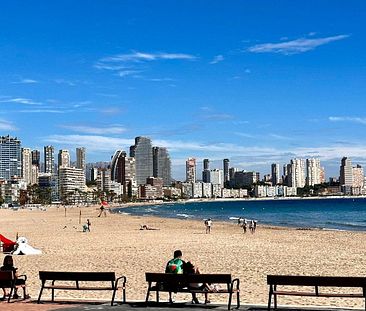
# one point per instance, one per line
(336, 214)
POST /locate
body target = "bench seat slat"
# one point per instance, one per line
(295, 293)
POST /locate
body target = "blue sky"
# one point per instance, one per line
(257, 82)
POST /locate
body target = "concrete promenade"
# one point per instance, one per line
(77, 305)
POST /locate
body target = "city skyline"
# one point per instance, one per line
(257, 84)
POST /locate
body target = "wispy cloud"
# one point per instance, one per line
(131, 64)
(19, 100)
(7, 125)
(348, 119)
(46, 110)
(217, 59)
(91, 142)
(300, 45)
(137, 57)
(95, 130)
(26, 81)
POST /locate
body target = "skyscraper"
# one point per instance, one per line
(27, 165)
(142, 152)
(191, 170)
(206, 171)
(226, 164)
(49, 159)
(36, 158)
(10, 157)
(80, 158)
(346, 176)
(296, 173)
(275, 172)
(63, 158)
(162, 165)
(313, 172)
(123, 170)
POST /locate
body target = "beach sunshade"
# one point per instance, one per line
(104, 203)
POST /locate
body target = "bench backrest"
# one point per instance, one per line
(335, 281)
(188, 278)
(77, 276)
(6, 278)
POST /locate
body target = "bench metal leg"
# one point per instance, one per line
(157, 296)
(40, 294)
(229, 304)
(270, 297)
(113, 296)
(148, 293)
(237, 299)
(53, 295)
(275, 301)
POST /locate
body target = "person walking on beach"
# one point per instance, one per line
(254, 225)
(245, 225)
(102, 211)
(208, 224)
(251, 226)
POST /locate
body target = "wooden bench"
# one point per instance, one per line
(8, 280)
(314, 281)
(49, 278)
(168, 282)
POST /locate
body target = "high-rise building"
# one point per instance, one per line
(358, 177)
(35, 173)
(191, 170)
(217, 177)
(346, 176)
(123, 170)
(36, 158)
(296, 173)
(232, 171)
(27, 165)
(10, 157)
(162, 165)
(226, 164)
(71, 179)
(80, 158)
(206, 171)
(275, 173)
(142, 152)
(313, 172)
(49, 159)
(63, 158)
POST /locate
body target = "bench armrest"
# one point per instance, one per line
(124, 280)
(235, 281)
(22, 276)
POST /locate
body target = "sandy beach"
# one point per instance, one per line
(115, 243)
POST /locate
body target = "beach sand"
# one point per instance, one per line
(115, 243)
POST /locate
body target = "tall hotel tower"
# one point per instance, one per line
(275, 172)
(226, 164)
(63, 158)
(80, 158)
(191, 170)
(142, 152)
(162, 165)
(27, 165)
(346, 174)
(49, 159)
(10, 157)
(123, 169)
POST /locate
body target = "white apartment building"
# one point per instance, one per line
(217, 177)
(358, 177)
(63, 158)
(313, 172)
(70, 179)
(296, 173)
(26, 156)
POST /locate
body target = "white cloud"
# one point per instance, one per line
(294, 46)
(26, 81)
(91, 142)
(140, 57)
(125, 73)
(348, 119)
(217, 59)
(95, 130)
(19, 100)
(7, 125)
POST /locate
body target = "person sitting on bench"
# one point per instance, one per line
(8, 265)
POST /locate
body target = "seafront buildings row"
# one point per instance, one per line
(144, 172)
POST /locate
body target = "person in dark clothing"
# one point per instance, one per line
(8, 265)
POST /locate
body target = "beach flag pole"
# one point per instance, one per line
(80, 217)
(65, 211)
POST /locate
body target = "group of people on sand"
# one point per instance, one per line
(245, 223)
(178, 266)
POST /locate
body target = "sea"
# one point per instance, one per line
(327, 214)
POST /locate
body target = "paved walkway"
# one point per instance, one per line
(72, 305)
